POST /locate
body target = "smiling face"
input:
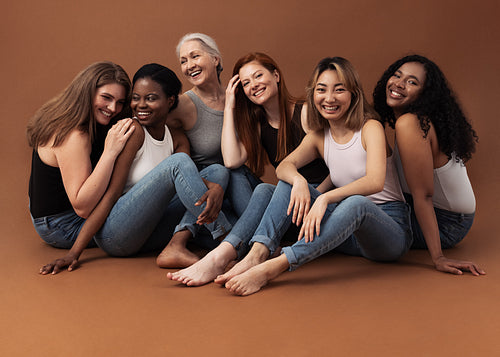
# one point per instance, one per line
(197, 64)
(405, 85)
(149, 103)
(259, 84)
(108, 101)
(331, 98)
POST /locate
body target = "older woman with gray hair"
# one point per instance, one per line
(200, 113)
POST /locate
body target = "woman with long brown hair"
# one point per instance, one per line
(72, 163)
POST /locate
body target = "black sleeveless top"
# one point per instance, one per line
(314, 172)
(46, 189)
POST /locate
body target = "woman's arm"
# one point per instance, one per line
(98, 216)
(417, 160)
(233, 150)
(180, 141)
(184, 116)
(83, 185)
(309, 149)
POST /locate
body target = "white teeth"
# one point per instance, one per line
(331, 108)
(396, 94)
(105, 113)
(259, 92)
(195, 73)
(143, 113)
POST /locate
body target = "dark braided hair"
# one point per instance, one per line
(436, 104)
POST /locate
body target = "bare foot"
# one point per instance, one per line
(175, 254)
(206, 269)
(257, 277)
(257, 254)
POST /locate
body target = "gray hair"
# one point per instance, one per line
(208, 44)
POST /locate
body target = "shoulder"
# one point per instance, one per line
(407, 122)
(137, 137)
(184, 115)
(372, 127)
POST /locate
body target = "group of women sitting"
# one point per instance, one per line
(136, 167)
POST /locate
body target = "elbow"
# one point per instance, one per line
(232, 164)
(81, 212)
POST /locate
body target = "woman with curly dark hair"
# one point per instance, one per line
(433, 140)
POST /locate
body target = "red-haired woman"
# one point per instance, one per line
(262, 123)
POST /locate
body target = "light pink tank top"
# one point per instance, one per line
(347, 163)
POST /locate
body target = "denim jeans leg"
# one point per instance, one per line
(275, 222)
(138, 212)
(218, 174)
(453, 227)
(241, 186)
(379, 236)
(246, 225)
(60, 230)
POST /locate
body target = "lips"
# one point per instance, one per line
(106, 113)
(143, 115)
(194, 73)
(395, 94)
(259, 92)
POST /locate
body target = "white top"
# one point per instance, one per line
(452, 188)
(151, 153)
(347, 163)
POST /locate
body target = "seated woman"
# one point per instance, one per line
(200, 115)
(138, 211)
(365, 214)
(433, 140)
(73, 151)
(262, 123)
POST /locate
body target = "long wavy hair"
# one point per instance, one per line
(73, 107)
(359, 109)
(248, 115)
(436, 104)
(165, 77)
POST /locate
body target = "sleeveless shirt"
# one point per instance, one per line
(314, 172)
(452, 188)
(347, 163)
(151, 153)
(205, 136)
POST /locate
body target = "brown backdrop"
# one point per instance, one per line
(344, 306)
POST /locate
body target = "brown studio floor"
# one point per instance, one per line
(337, 305)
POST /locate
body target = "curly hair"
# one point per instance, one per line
(436, 104)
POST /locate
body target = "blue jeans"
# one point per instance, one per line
(377, 232)
(145, 216)
(246, 225)
(240, 189)
(60, 230)
(214, 173)
(453, 227)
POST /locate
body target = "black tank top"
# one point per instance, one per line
(46, 190)
(314, 172)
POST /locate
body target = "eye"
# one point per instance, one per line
(151, 98)
(412, 82)
(135, 98)
(396, 75)
(320, 89)
(340, 89)
(258, 75)
(244, 84)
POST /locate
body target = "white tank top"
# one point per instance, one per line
(347, 163)
(151, 153)
(452, 188)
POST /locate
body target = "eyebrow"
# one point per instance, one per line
(410, 75)
(324, 85)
